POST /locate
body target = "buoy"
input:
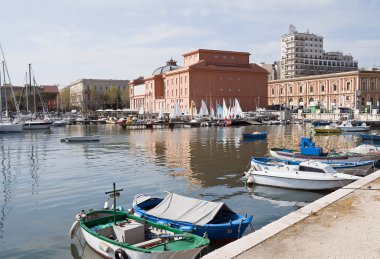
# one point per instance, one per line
(74, 229)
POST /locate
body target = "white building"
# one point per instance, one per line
(302, 54)
(80, 90)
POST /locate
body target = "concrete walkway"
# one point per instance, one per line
(343, 224)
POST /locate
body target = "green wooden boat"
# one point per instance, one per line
(118, 234)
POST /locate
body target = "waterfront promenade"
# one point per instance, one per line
(343, 224)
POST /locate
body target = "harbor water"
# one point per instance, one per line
(45, 183)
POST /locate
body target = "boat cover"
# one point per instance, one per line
(180, 208)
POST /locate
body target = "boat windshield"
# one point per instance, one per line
(311, 169)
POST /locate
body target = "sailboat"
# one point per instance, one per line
(36, 123)
(6, 125)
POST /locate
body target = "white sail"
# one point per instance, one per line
(212, 113)
(203, 110)
(225, 113)
(238, 110)
(160, 114)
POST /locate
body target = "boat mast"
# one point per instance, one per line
(26, 92)
(1, 103)
(114, 194)
(34, 89)
(5, 91)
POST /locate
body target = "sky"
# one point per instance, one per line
(67, 40)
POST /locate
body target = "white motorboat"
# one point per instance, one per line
(347, 126)
(81, 138)
(308, 175)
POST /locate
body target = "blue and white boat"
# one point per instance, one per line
(255, 135)
(309, 151)
(359, 167)
(200, 217)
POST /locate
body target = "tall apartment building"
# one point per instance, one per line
(302, 54)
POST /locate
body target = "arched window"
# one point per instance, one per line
(301, 89)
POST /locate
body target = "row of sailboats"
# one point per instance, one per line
(222, 111)
(18, 124)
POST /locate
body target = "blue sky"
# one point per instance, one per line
(68, 40)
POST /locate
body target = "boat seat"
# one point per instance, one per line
(150, 242)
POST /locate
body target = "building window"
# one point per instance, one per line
(322, 88)
(347, 98)
(290, 89)
(185, 91)
(334, 87)
(363, 101)
(301, 89)
(348, 86)
(281, 90)
(272, 91)
(311, 89)
(176, 92)
(176, 81)
(363, 86)
(185, 79)
(372, 86)
(172, 93)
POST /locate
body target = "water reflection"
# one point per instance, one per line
(7, 190)
(283, 197)
(33, 167)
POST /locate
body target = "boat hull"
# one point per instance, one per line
(230, 229)
(299, 157)
(294, 181)
(36, 125)
(98, 245)
(81, 139)
(299, 184)
(8, 128)
(370, 137)
(356, 168)
(259, 135)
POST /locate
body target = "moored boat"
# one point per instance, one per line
(371, 137)
(196, 216)
(308, 175)
(255, 135)
(360, 167)
(118, 234)
(327, 129)
(309, 151)
(81, 138)
(348, 127)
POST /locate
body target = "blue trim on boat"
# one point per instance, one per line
(230, 226)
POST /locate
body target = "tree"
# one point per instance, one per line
(113, 96)
(124, 96)
(64, 97)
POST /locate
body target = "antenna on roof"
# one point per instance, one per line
(292, 29)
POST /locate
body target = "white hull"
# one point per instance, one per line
(353, 128)
(96, 244)
(9, 127)
(300, 180)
